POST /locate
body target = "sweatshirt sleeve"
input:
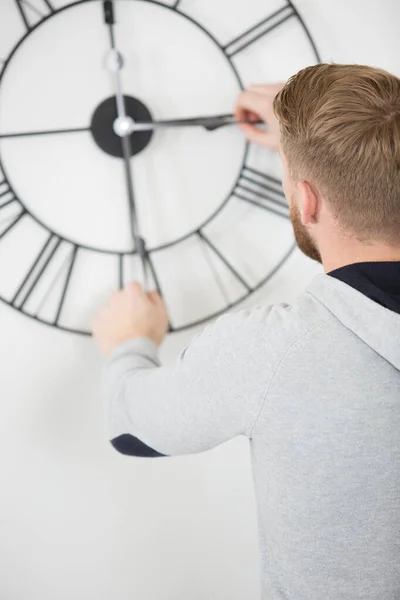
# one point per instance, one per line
(213, 393)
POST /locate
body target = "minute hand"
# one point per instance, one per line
(122, 128)
(209, 123)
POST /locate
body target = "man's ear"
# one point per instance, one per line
(309, 202)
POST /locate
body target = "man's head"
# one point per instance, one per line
(340, 144)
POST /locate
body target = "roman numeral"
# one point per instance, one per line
(6, 194)
(34, 11)
(248, 37)
(67, 279)
(10, 209)
(261, 190)
(220, 284)
(44, 260)
(39, 265)
(12, 223)
(226, 262)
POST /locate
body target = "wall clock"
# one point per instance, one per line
(211, 209)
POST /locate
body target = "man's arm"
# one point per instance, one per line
(216, 389)
(213, 393)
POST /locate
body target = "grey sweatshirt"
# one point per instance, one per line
(315, 387)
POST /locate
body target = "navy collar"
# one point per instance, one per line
(379, 281)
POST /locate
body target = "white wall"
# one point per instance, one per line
(77, 520)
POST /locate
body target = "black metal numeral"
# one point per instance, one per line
(12, 224)
(251, 35)
(67, 280)
(8, 217)
(34, 11)
(223, 258)
(261, 190)
(6, 195)
(37, 270)
(26, 288)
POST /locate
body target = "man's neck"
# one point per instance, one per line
(351, 252)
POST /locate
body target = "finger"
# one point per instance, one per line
(252, 116)
(246, 115)
(252, 102)
(241, 114)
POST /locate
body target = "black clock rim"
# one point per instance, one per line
(213, 215)
(122, 254)
(173, 330)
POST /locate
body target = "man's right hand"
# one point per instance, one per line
(255, 103)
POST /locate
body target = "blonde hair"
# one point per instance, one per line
(340, 130)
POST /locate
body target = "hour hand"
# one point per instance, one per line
(114, 64)
(209, 123)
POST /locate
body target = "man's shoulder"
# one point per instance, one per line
(303, 314)
(263, 333)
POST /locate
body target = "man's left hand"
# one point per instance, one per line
(130, 313)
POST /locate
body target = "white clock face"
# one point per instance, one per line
(210, 209)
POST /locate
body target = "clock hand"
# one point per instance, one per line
(45, 132)
(138, 241)
(122, 125)
(209, 123)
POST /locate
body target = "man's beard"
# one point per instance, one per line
(303, 238)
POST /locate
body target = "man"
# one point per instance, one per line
(314, 386)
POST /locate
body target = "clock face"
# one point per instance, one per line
(210, 208)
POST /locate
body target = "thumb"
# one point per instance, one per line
(253, 102)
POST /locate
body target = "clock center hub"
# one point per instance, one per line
(103, 126)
